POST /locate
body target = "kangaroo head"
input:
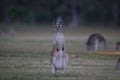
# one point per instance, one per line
(57, 24)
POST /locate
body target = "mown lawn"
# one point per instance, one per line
(26, 56)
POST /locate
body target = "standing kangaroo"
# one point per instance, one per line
(58, 36)
(59, 58)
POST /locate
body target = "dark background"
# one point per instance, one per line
(73, 12)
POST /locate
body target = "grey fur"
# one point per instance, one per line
(59, 57)
(94, 40)
(118, 46)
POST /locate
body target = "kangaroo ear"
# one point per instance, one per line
(59, 20)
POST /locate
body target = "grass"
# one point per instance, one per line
(26, 56)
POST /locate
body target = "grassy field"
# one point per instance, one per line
(26, 56)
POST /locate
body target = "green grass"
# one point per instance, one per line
(26, 56)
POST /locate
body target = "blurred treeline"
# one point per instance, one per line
(73, 11)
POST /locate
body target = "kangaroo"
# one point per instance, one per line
(59, 58)
(118, 46)
(118, 64)
(59, 61)
(58, 37)
(94, 40)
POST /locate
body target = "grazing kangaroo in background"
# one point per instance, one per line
(59, 58)
(118, 61)
(118, 64)
(118, 46)
(94, 40)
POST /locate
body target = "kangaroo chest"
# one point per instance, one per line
(59, 40)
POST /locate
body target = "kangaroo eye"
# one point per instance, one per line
(56, 26)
